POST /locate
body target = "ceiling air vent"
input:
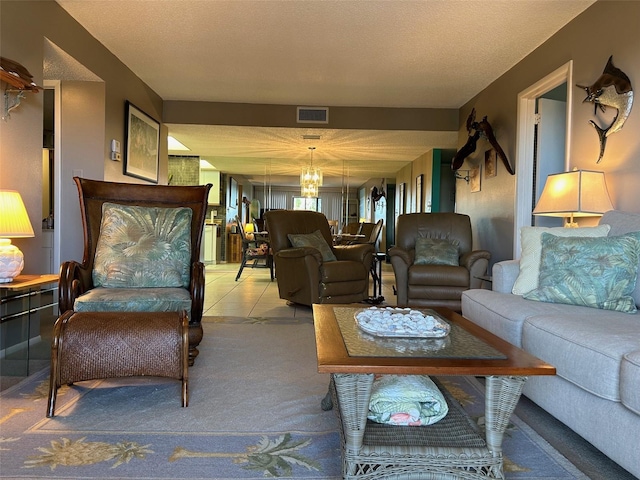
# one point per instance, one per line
(312, 115)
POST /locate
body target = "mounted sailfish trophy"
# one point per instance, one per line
(611, 89)
(481, 128)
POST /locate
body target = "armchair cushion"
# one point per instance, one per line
(315, 240)
(143, 247)
(161, 299)
(436, 251)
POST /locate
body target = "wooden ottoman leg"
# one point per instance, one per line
(54, 376)
(185, 358)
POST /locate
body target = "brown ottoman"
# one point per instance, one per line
(94, 345)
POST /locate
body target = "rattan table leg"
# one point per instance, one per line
(501, 397)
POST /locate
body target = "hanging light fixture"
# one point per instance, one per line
(310, 179)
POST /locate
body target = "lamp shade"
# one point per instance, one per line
(580, 193)
(14, 221)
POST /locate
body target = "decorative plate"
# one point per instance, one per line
(401, 322)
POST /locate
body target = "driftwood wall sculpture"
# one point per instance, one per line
(476, 130)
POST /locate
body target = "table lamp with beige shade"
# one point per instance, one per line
(579, 193)
(14, 223)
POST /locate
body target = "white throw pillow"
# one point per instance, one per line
(532, 247)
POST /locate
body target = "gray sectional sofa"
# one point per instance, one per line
(596, 391)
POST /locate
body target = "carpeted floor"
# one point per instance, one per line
(254, 412)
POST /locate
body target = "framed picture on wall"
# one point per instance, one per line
(401, 199)
(474, 178)
(419, 193)
(142, 145)
(490, 163)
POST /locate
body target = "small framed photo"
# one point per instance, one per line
(419, 193)
(142, 140)
(401, 199)
(490, 163)
(474, 179)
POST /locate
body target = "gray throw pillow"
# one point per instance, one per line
(315, 240)
(436, 251)
(592, 272)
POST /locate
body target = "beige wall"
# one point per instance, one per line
(24, 28)
(588, 41)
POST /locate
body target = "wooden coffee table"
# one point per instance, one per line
(453, 447)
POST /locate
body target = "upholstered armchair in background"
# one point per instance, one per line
(433, 260)
(141, 251)
(309, 269)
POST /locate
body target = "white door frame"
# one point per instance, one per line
(525, 144)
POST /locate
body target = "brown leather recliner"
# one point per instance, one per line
(303, 277)
(435, 285)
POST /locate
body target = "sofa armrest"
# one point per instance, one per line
(504, 275)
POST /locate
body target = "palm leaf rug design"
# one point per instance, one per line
(254, 413)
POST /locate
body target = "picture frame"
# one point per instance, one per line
(490, 163)
(142, 144)
(401, 199)
(419, 193)
(474, 179)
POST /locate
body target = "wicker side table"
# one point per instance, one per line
(94, 345)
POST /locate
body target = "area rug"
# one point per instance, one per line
(254, 412)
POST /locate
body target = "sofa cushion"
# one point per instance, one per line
(630, 381)
(530, 239)
(621, 223)
(143, 247)
(593, 272)
(436, 251)
(503, 314)
(164, 299)
(587, 350)
(315, 240)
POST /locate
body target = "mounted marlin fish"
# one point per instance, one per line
(612, 89)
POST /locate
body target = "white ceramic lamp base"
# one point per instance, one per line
(11, 261)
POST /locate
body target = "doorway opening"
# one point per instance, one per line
(532, 167)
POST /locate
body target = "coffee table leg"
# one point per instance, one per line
(502, 395)
(353, 393)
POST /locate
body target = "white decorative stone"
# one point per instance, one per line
(401, 322)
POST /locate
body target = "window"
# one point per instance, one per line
(304, 203)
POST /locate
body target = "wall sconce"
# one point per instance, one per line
(464, 177)
(17, 76)
(14, 223)
(580, 193)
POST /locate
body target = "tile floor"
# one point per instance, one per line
(255, 295)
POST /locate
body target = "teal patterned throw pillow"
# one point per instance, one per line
(436, 251)
(143, 247)
(592, 272)
(315, 240)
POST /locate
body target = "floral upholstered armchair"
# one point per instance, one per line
(141, 252)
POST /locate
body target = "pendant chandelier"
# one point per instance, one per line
(310, 179)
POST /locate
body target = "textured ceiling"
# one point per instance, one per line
(388, 53)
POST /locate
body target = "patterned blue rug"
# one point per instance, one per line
(254, 412)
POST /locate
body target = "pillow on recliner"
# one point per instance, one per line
(436, 251)
(143, 247)
(315, 240)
